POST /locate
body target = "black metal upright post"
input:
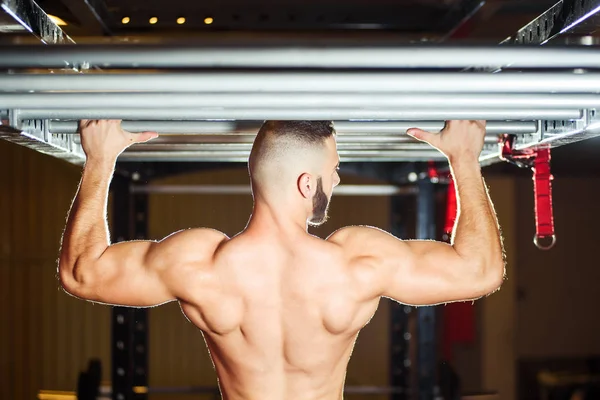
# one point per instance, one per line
(122, 318)
(426, 325)
(129, 325)
(140, 315)
(400, 364)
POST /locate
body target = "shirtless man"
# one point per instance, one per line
(281, 309)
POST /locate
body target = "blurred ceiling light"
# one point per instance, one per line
(153, 20)
(208, 20)
(181, 20)
(58, 21)
(125, 20)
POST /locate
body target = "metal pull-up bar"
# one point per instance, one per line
(268, 56)
(307, 82)
(300, 114)
(347, 130)
(297, 100)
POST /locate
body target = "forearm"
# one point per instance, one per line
(476, 234)
(86, 234)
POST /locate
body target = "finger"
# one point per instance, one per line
(423, 136)
(84, 123)
(144, 136)
(87, 122)
(481, 123)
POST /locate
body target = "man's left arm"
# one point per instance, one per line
(137, 273)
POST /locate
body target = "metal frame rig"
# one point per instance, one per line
(207, 102)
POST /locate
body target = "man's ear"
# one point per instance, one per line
(306, 185)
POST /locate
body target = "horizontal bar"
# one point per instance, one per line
(294, 100)
(342, 127)
(341, 190)
(381, 127)
(242, 156)
(249, 56)
(343, 141)
(341, 146)
(307, 82)
(163, 127)
(305, 114)
(204, 147)
(364, 139)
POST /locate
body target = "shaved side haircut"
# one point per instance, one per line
(310, 132)
(285, 148)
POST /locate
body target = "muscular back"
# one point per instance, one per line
(281, 315)
(280, 318)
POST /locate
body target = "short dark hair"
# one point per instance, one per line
(310, 132)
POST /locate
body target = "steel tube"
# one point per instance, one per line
(163, 127)
(307, 82)
(253, 56)
(341, 146)
(343, 141)
(294, 100)
(305, 114)
(381, 127)
(242, 156)
(341, 190)
(248, 139)
(342, 127)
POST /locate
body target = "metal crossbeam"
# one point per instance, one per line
(345, 83)
(346, 129)
(27, 15)
(242, 156)
(168, 101)
(321, 57)
(35, 135)
(567, 17)
(374, 92)
(406, 114)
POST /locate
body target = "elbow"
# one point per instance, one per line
(491, 276)
(72, 276)
(496, 280)
(66, 277)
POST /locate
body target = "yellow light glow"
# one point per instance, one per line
(140, 389)
(153, 20)
(208, 20)
(181, 21)
(56, 395)
(125, 20)
(58, 21)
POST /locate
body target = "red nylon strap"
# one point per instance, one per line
(450, 209)
(542, 179)
(539, 161)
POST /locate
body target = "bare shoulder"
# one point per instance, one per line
(194, 243)
(367, 250)
(204, 235)
(362, 238)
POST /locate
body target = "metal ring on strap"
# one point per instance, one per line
(536, 241)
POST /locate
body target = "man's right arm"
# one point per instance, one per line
(428, 272)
